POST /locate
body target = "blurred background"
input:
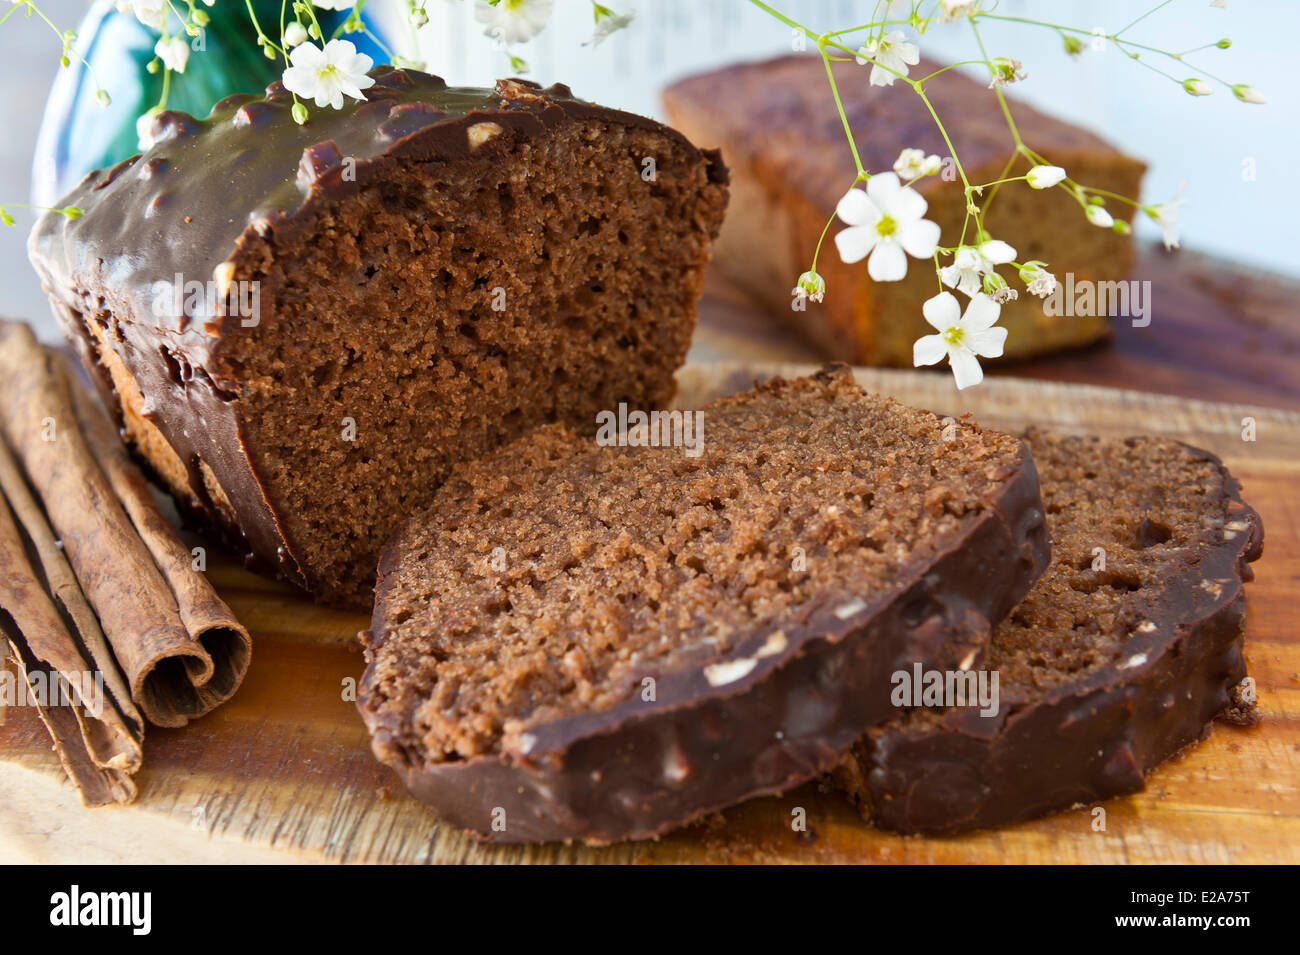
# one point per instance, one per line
(1238, 160)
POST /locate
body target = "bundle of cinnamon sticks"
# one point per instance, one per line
(101, 604)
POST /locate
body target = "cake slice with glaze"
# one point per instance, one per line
(1123, 653)
(303, 328)
(589, 642)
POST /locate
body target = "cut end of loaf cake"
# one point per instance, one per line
(447, 312)
(561, 596)
(401, 285)
(1120, 655)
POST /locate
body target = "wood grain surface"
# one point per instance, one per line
(283, 772)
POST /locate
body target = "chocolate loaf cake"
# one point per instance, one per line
(778, 129)
(591, 642)
(303, 328)
(1121, 655)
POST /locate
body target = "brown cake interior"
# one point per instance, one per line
(384, 315)
(553, 576)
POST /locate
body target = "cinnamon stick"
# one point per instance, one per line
(205, 615)
(173, 675)
(59, 648)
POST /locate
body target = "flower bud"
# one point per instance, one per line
(811, 285)
(1248, 94)
(1044, 177)
(1099, 217)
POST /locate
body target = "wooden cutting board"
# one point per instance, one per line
(283, 772)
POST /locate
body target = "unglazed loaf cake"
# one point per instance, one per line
(599, 643)
(1104, 671)
(435, 270)
(777, 126)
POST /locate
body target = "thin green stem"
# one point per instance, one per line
(1113, 37)
(980, 187)
(261, 34)
(822, 238)
(377, 41)
(1108, 194)
(871, 26)
(166, 89)
(952, 66)
(1144, 16)
(61, 209)
(1002, 100)
(839, 106)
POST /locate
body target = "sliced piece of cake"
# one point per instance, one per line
(1122, 654)
(302, 328)
(599, 642)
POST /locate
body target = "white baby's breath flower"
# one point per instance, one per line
(327, 75)
(952, 9)
(151, 13)
(1007, 71)
(1038, 281)
(294, 34)
(971, 263)
(810, 285)
(174, 53)
(890, 52)
(1099, 217)
(913, 164)
(513, 21)
(607, 22)
(1166, 215)
(1045, 177)
(885, 221)
(997, 252)
(1197, 87)
(965, 273)
(1043, 284)
(963, 338)
(1248, 94)
(143, 129)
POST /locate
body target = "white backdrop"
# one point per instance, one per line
(1204, 141)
